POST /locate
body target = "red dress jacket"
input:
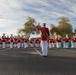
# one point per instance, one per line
(58, 40)
(65, 39)
(73, 39)
(11, 39)
(3, 39)
(50, 40)
(42, 37)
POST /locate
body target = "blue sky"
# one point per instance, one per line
(13, 13)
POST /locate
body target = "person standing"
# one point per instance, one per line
(25, 42)
(18, 41)
(31, 42)
(58, 41)
(66, 40)
(0, 42)
(11, 41)
(3, 40)
(15, 41)
(50, 42)
(36, 42)
(73, 41)
(44, 31)
(7, 41)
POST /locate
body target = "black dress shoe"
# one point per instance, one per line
(44, 56)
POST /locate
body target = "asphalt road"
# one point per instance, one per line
(30, 62)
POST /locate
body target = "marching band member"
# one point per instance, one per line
(3, 40)
(32, 42)
(11, 41)
(73, 41)
(0, 42)
(36, 42)
(25, 42)
(15, 41)
(50, 42)
(22, 41)
(66, 40)
(7, 41)
(44, 36)
(58, 41)
(53, 42)
(18, 41)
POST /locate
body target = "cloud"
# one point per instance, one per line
(6, 23)
(13, 13)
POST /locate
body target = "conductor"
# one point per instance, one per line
(44, 35)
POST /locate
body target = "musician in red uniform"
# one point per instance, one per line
(32, 42)
(11, 41)
(73, 40)
(58, 41)
(66, 40)
(53, 41)
(36, 42)
(22, 41)
(0, 42)
(25, 42)
(44, 31)
(7, 41)
(15, 41)
(50, 42)
(18, 41)
(3, 40)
